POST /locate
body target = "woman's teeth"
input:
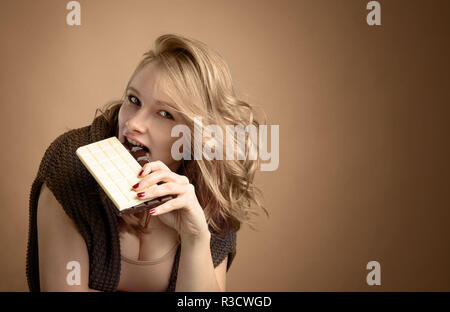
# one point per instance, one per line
(134, 142)
(137, 144)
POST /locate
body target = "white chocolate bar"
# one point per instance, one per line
(114, 169)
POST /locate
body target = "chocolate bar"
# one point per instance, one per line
(116, 166)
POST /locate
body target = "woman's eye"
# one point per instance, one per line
(166, 114)
(131, 97)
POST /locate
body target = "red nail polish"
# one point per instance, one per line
(136, 185)
(152, 211)
(140, 173)
(141, 194)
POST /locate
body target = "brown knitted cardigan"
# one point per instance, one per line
(79, 195)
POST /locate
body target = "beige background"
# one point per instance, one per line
(363, 114)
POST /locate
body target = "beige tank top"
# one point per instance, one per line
(150, 275)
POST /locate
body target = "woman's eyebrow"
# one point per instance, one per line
(135, 90)
(156, 100)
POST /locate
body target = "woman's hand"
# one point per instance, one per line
(182, 213)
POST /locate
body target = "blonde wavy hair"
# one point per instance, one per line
(199, 83)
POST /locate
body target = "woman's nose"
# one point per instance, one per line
(136, 123)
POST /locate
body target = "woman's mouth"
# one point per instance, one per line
(139, 152)
(131, 143)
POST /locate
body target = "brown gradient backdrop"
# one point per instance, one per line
(363, 114)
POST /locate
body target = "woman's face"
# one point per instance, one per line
(145, 119)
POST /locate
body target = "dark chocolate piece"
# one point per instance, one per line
(139, 154)
(146, 205)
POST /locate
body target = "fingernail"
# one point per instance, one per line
(152, 211)
(141, 194)
(136, 185)
(140, 173)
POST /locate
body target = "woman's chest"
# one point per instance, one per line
(147, 261)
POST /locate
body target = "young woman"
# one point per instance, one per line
(77, 243)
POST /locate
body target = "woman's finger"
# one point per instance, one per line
(169, 188)
(168, 206)
(153, 166)
(160, 176)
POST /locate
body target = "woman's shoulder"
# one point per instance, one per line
(71, 139)
(60, 153)
(63, 172)
(64, 146)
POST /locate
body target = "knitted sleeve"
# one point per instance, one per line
(223, 245)
(32, 259)
(77, 192)
(63, 180)
(49, 172)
